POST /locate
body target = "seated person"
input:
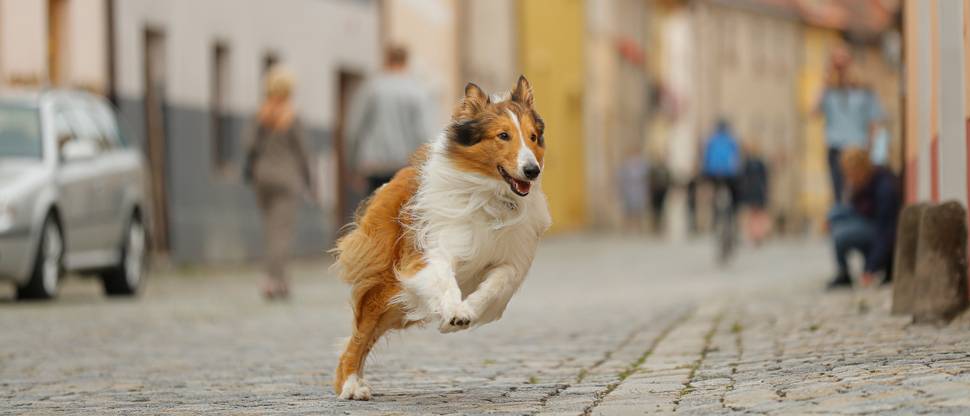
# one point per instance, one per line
(868, 223)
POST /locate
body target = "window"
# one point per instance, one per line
(222, 141)
(62, 129)
(104, 119)
(20, 132)
(78, 136)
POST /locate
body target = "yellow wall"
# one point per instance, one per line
(551, 53)
(816, 185)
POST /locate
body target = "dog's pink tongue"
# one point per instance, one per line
(522, 187)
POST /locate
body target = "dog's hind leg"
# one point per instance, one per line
(375, 317)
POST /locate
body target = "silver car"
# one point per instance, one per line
(72, 195)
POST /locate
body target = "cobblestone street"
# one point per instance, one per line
(603, 325)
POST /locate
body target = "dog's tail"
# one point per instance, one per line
(363, 262)
(367, 254)
(359, 255)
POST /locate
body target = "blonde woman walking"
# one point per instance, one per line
(278, 169)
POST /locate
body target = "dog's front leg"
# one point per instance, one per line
(438, 295)
(488, 301)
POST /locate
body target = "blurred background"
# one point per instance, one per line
(614, 80)
(708, 165)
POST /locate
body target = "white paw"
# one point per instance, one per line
(355, 389)
(459, 317)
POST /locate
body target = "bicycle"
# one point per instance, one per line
(725, 221)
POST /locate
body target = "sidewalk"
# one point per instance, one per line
(603, 325)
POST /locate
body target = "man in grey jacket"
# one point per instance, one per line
(388, 120)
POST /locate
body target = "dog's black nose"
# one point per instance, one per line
(531, 171)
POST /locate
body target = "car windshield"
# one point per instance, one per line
(20, 132)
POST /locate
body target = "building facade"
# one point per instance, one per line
(609, 77)
(429, 30)
(937, 44)
(737, 61)
(747, 72)
(761, 65)
(55, 42)
(187, 78)
(615, 101)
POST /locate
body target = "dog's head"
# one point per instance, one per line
(501, 140)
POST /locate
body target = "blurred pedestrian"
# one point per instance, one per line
(278, 168)
(868, 223)
(388, 120)
(721, 165)
(692, 227)
(754, 193)
(880, 147)
(722, 161)
(659, 186)
(852, 114)
(633, 186)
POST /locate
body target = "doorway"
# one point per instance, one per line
(347, 197)
(156, 138)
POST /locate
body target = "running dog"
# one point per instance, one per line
(450, 239)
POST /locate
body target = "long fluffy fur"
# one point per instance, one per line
(444, 231)
(474, 219)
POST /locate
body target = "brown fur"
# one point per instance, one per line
(368, 257)
(487, 121)
(378, 250)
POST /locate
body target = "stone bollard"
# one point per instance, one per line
(904, 258)
(940, 292)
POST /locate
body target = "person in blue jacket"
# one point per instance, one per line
(868, 223)
(721, 163)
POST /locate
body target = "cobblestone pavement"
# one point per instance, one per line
(603, 326)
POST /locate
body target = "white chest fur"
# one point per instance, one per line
(489, 246)
(467, 226)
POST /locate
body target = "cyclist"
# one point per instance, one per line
(721, 166)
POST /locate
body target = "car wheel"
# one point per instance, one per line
(127, 276)
(48, 264)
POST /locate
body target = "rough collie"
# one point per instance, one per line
(450, 239)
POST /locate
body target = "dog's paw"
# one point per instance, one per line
(461, 317)
(355, 389)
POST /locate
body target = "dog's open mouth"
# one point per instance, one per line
(520, 187)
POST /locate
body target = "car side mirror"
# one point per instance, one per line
(62, 139)
(72, 149)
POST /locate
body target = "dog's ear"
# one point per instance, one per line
(523, 92)
(465, 132)
(473, 103)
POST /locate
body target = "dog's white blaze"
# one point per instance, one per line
(525, 153)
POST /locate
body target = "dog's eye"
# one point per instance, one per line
(503, 135)
(533, 137)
